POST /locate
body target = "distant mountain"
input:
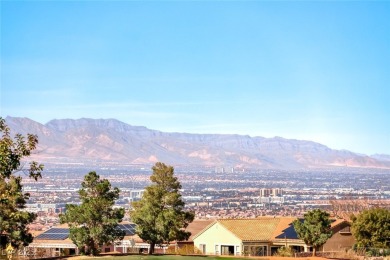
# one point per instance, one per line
(112, 140)
(381, 157)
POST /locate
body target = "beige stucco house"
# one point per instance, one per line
(261, 237)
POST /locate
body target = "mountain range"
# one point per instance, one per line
(109, 140)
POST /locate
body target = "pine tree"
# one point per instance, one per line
(13, 221)
(94, 223)
(315, 228)
(160, 214)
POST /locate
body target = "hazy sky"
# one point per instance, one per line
(315, 70)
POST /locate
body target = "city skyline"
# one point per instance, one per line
(303, 70)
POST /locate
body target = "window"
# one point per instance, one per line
(255, 250)
(227, 250)
(345, 230)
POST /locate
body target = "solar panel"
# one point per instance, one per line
(128, 228)
(63, 233)
(54, 234)
(59, 230)
(289, 233)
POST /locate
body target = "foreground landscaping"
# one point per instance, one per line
(164, 257)
(200, 257)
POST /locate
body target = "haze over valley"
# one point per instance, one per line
(109, 140)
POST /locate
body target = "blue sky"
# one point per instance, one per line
(314, 70)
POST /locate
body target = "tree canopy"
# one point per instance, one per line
(160, 214)
(13, 221)
(315, 228)
(94, 222)
(371, 228)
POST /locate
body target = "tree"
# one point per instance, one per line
(371, 228)
(160, 214)
(13, 221)
(315, 228)
(95, 222)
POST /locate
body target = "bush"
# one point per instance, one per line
(285, 251)
(346, 254)
(371, 251)
(377, 252)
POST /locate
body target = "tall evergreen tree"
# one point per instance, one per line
(13, 221)
(95, 222)
(160, 214)
(315, 228)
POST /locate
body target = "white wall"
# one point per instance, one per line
(218, 235)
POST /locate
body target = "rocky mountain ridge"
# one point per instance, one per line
(112, 140)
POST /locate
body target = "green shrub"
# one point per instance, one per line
(285, 251)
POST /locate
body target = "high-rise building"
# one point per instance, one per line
(267, 192)
(136, 194)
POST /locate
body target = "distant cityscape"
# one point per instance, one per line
(216, 192)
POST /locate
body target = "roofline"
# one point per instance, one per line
(282, 240)
(266, 217)
(257, 241)
(338, 224)
(204, 229)
(212, 224)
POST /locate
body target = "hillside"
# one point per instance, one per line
(112, 140)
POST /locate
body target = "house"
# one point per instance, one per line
(238, 237)
(55, 242)
(52, 242)
(286, 236)
(194, 228)
(262, 237)
(187, 246)
(342, 238)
